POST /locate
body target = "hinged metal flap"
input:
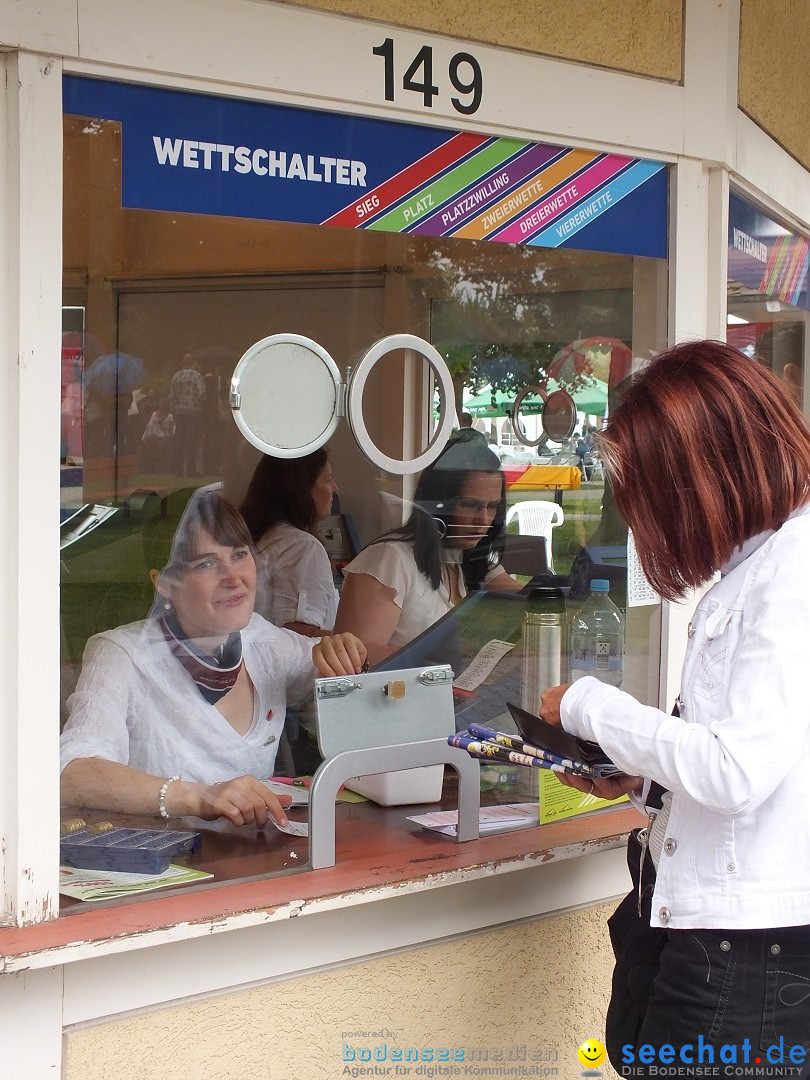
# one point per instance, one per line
(329, 688)
(284, 395)
(384, 708)
(436, 676)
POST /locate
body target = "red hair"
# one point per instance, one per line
(706, 450)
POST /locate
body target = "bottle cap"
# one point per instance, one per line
(547, 597)
(599, 584)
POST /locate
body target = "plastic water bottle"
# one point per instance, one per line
(597, 637)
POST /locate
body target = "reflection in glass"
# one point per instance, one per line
(164, 293)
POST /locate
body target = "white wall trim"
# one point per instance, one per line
(103, 986)
(30, 333)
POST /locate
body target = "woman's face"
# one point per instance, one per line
(475, 510)
(215, 592)
(323, 491)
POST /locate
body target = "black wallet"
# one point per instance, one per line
(585, 756)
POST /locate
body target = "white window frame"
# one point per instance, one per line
(322, 61)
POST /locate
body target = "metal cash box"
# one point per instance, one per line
(379, 709)
(384, 708)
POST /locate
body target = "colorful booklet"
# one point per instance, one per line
(491, 750)
(539, 746)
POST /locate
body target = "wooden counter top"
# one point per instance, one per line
(379, 854)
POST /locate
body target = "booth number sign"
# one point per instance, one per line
(417, 73)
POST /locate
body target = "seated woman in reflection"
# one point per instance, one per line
(194, 697)
(450, 545)
(285, 501)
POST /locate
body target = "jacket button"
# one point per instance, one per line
(775, 950)
(690, 631)
(664, 915)
(731, 867)
(725, 946)
(670, 845)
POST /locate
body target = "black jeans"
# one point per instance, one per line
(733, 986)
(742, 989)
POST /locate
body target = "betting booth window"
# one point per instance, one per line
(187, 239)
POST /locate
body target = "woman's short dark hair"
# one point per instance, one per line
(434, 504)
(207, 512)
(706, 450)
(281, 490)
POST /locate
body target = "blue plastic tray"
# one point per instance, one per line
(131, 851)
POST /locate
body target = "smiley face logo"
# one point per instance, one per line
(592, 1053)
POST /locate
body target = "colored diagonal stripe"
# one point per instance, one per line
(523, 197)
(792, 286)
(562, 199)
(773, 271)
(427, 199)
(397, 187)
(801, 278)
(602, 201)
(787, 268)
(474, 199)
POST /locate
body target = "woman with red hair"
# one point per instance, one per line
(709, 460)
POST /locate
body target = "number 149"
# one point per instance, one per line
(464, 73)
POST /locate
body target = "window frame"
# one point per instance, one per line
(704, 149)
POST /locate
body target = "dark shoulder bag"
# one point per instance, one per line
(636, 945)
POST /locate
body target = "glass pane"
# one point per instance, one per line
(767, 313)
(159, 308)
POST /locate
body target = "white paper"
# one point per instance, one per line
(300, 795)
(292, 828)
(482, 664)
(490, 819)
(639, 591)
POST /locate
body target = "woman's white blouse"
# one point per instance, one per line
(738, 759)
(392, 563)
(295, 581)
(136, 705)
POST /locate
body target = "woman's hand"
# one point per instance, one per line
(339, 654)
(603, 787)
(549, 707)
(243, 801)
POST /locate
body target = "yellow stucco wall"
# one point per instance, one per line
(641, 36)
(774, 84)
(543, 984)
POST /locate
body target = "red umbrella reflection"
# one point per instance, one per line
(606, 358)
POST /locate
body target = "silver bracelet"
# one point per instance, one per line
(164, 813)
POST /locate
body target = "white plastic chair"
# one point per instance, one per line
(537, 517)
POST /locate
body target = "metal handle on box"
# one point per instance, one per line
(378, 759)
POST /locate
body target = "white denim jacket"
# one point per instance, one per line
(737, 850)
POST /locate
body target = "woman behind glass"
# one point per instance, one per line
(196, 694)
(450, 545)
(286, 500)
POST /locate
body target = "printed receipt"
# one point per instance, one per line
(292, 828)
(482, 665)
